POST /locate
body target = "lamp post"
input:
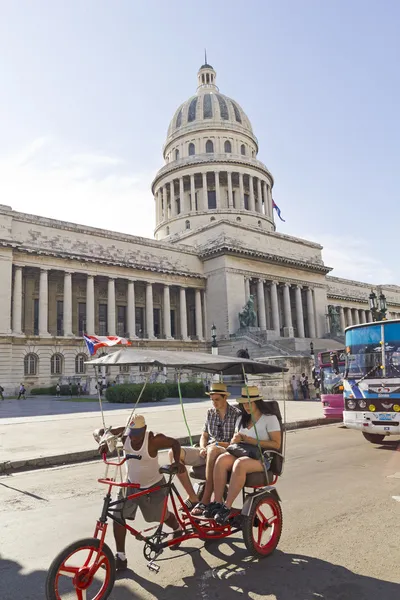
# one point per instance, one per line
(378, 306)
(214, 345)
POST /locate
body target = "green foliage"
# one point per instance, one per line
(51, 391)
(154, 392)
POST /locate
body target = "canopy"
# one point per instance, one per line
(198, 361)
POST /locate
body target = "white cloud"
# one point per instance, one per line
(90, 189)
(351, 258)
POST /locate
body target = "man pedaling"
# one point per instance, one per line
(144, 470)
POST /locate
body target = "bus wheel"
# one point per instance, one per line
(374, 438)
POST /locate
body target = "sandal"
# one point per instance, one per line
(198, 510)
(189, 505)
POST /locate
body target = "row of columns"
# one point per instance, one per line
(287, 309)
(161, 196)
(111, 307)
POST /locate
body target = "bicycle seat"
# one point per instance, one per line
(168, 470)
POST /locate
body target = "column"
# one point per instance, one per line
(274, 307)
(67, 305)
(149, 311)
(262, 317)
(241, 192)
(269, 200)
(167, 313)
(17, 302)
(246, 289)
(156, 207)
(199, 316)
(287, 311)
(230, 191)
(192, 194)
(131, 316)
(266, 205)
(163, 207)
(205, 194)
(349, 317)
(356, 317)
(183, 313)
(362, 316)
(206, 333)
(111, 307)
(342, 319)
(310, 313)
(369, 316)
(172, 196)
(217, 190)
(259, 195)
(299, 312)
(90, 328)
(43, 303)
(181, 195)
(252, 199)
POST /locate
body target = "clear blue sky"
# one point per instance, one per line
(88, 89)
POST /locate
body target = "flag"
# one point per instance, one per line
(94, 342)
(278, 210)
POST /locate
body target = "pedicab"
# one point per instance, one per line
(85, 570)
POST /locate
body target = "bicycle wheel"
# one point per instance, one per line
(262, 528)
(70, 577)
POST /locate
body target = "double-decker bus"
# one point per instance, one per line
(372, 379)
(331, 368)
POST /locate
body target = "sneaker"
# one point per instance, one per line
(222, 515)
(211, 509)
(189, 505)
(120, 565)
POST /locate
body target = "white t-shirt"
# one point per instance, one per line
(264, 424)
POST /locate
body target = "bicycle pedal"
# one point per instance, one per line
(153, 567)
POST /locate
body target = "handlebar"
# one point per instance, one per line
(113, 464)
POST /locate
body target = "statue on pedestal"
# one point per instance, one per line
(334, 319)
(248, 316)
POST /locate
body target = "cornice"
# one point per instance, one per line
(271, 277)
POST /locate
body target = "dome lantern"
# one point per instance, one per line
(206, 77)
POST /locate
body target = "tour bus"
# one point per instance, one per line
(331, 369)
(372, 379)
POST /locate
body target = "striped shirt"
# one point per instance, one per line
(221, 430)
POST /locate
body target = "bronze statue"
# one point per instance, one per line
(248, 316)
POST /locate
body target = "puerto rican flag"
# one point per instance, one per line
(278, 210)
(94, 342)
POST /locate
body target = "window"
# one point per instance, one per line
(178, 119)
(212, 199)
(143, 368)
(237, 112)
(80, 367)
(238, 219)
(139, 321)
(259, 223)
(192, 149)
(124, 368)
(103, 325)
(167, 229)
(81, 318)
(31, 364)
(212, 219)
(176, 154)
(187, 224)
(223, 109)
(56, 364)
(243, 150)
(157, 322)
(209, 147)
(173, 324)
(121, 320)
(228, 146)
(207, 106)
(192, 110)
(246, 202)
(36, 316)
(60, 317)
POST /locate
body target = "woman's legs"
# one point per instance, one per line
(223, 465)
(241, 467)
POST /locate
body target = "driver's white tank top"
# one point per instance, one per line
(143, 469)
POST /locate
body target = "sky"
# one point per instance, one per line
(88, 89)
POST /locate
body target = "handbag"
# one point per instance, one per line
(244, 449)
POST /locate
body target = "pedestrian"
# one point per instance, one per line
(22, 392)
(58, 390)
(305, 387)
(295, 387)
(1, 393)
(70, 389)
(79, 389)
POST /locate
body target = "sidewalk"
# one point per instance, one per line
(44, 431)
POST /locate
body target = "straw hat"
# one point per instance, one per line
(249, 394)
(138, 422)
(218, 388)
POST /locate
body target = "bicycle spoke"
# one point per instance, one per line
(260, 532)
(68, 571)
(272, 519)
(81, 594)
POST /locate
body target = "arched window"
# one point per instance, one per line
(167, 230)
(212, 219)
(56, 364)
(259, 223)
(209, 147)
(80, 367)
(176, 154)
(31, 362)
(228, 146)
(238, 219)
(202, 78)
(243, 149)
(187, 224)
(192, 149)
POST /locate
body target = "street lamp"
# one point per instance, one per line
(311, 349)
(214, 345)
(378, 309)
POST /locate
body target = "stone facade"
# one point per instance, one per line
(215, 246)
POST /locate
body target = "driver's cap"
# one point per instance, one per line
(138, 423)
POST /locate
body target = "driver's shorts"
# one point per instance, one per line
(151, 505)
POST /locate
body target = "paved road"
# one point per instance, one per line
(340, 539)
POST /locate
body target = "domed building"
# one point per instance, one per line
(216, 250)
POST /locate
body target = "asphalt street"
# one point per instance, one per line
(340, 536)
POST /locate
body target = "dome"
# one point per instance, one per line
(208, 108)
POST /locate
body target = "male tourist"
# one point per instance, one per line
(295, 387)
(58, 390)
(144, 445)
(218, 431)
(22, 392)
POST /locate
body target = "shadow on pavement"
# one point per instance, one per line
(389, 445)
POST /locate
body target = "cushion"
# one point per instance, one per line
(252, 479)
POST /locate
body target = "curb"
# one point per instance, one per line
(42, 462)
